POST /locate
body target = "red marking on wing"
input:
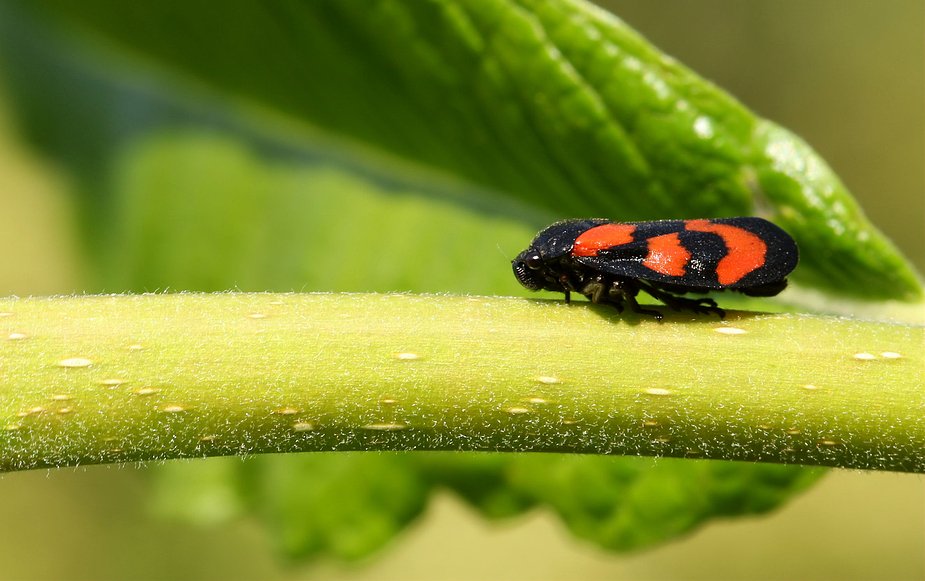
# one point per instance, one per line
(745, 250)
(602, 237)
(667, 255)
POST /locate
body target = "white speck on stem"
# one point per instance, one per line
(74, 362)
(112, 382)
(730, 331)
(385, 426)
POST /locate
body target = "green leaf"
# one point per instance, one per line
(351, 505)
(200, 212)
(346, 506)
(629, 503)
(619, 503)
(556, 103)
(202, 493)
(836, 241)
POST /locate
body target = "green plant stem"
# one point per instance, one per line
(87, 380)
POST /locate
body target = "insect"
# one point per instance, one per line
(611, 262)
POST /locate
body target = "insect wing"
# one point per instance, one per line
(756, 251)
(680, 258)
(559, 238)
(709, 254)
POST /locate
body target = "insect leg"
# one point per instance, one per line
(601, 291)
(615, 295)
(568, 285)
(705, 306)
(594, 290)
(629, 289)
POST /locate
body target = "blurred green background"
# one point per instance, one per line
(849, 77)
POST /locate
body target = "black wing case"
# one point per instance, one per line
(709, 254)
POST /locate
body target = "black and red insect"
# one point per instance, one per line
(611, 262)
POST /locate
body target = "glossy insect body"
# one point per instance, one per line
(610, 262)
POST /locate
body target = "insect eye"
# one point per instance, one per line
(534, 261)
